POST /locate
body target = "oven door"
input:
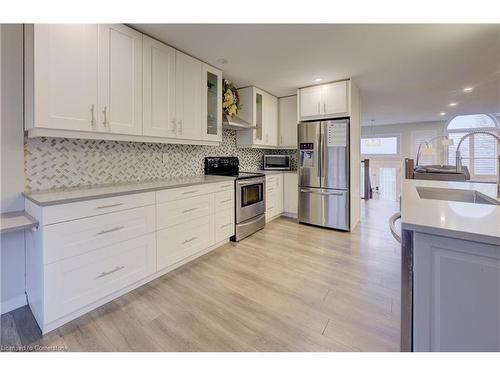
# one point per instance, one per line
(250, 199)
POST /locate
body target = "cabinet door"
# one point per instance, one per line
(158, 89)
(188, 96)
(65, 75)
(120, 79)
(288, 121)
(271, 120)
(310, 101)
(259, 116)
(279, 193)
(290, 193)
(211, 103)
(335, 99)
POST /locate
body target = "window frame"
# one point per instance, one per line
(387, 135)
(471, 140)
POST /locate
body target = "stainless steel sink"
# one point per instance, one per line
(457, 195)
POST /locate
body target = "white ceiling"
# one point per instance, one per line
(406, 73)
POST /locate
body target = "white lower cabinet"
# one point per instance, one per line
(86, 253)
(456, 295)
(290, 194)
(274, 196)
(181, 241)
(81, 280)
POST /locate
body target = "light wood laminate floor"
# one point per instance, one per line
(289, 287)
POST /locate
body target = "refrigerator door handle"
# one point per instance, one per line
(320, 152)
(337, 193)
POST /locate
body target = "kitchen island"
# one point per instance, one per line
(450, 291)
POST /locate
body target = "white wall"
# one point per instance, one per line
(407, 132)
(12, 262)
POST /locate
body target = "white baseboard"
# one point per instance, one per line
(13, 303)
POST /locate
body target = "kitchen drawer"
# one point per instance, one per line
(181, 241)
(184, 192)
(182, 210)
(224, 200)
(223, 186)
(73, 283)
(77, 210)
(224, 225)
(72, 238)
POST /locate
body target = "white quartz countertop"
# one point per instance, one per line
(469, 221)
(68, 195)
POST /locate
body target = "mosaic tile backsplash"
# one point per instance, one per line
(52, 163)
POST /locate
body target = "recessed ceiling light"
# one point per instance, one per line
(468, 89)
(442, 113)
(452, 104)
(318, 80)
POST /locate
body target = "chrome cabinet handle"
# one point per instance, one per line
(105, 113)
(190, 210)
(109, 206)
(190, 240)
(225, 186)
(319, 110)
(110, 230)
(92, 110)
(190, 192)
(225, 225)
(281, 139)
(118, 268)
(180, 127)
(324, 107)
(225, 201)
(174, 126)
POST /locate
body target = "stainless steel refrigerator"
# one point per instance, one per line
(324, 173)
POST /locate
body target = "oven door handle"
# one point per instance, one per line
(250, 181)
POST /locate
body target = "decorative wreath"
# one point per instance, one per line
(230, 99)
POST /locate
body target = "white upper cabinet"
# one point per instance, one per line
(335, 99)
(324, 101)
(288, 121)
(120, 79)
(261, 110)
(310, 101)
(110, 82)
(211, 103)
(65, 76)
(270, 120)
(188, 72)
(158, 89)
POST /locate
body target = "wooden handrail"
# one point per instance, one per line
(409, 168)
(367, 186)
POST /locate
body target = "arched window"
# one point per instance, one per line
(479, 152)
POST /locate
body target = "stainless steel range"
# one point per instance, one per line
(250, 190)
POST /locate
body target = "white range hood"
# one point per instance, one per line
(235, 123)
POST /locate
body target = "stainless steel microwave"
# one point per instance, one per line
(277, 162)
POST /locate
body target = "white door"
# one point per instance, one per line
(288, 121)
(65, 86)
(310, 101)
(158, 89)
(335, 99)
(188, 96)
(271, 120)
(120, 79)
(211, 103)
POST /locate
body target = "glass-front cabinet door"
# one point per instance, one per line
(259, 117)
(212, 103)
